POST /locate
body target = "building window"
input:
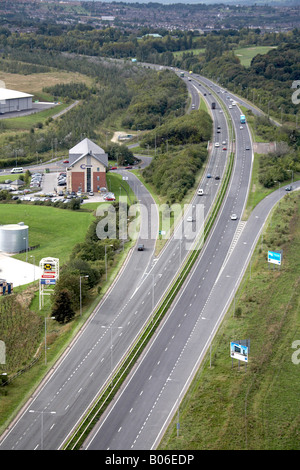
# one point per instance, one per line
(88, 179)
(98, 169)
(98, 178)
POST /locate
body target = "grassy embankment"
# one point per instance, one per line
(257, 407)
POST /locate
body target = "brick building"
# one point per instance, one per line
(87, 167)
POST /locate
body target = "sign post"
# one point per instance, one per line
(49, 275)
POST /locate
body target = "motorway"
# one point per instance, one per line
(87, 365)
(145, 405)
(151, 396)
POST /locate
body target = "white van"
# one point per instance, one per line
(17, 170)
(200, 192)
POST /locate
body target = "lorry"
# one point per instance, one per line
(242, 119)
(213, 105)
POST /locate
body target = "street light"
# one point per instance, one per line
(42, 423)
(111, 349)
(32, 256)
(46, 318)
(80, 303)
(105, 246)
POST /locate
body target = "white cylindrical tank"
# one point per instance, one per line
(13, 237)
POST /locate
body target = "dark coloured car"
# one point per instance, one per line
(217, 177)
(140, 247)
(289, 188)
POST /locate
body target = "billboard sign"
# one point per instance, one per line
(274, 257)
(239, 351)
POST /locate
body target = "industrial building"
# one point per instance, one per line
(12, 100)
(87, 166)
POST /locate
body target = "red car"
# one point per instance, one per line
(114, 168)
(128, 167)
(66, 161)
(224, 148)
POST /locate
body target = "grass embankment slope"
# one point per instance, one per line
(257, 407)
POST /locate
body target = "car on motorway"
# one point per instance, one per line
(247, 147)
(208, 175)
(224, 148)
(200, 192)
(190, 218)
(289, 188)
(217, 177)
(233, 216)
(217, 144)
(230, 107)
(241, 127)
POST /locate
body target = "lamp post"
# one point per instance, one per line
(111, 348)
(32, 256)
(42, 423)
(46, 318)
(80, 302)
(105, 247)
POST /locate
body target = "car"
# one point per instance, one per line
(224, 148)
(193, 106)
(233, 216)
(114, 168)
(217, 177)
(289, 188)
(66, 161)
(217, 144)
(128, 167)
(247, 147)
(241, 127)
(230, 107)
(190, 218)
(208, 175)
(218, 131)
(91, 193)
(60, 193)
(224, 142)
(141, 247)
(204, 94)
(200, 192)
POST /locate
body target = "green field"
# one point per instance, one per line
(55, 230)
(246, 54)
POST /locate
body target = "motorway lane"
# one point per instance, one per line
(152, 392)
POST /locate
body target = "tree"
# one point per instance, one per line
(62, 309)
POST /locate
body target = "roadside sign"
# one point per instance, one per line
(274, 257)
(239, 351)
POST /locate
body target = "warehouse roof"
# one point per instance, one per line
(6, 94)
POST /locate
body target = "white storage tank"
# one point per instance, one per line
(13, 237)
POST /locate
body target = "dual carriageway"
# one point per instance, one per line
(143, 408)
